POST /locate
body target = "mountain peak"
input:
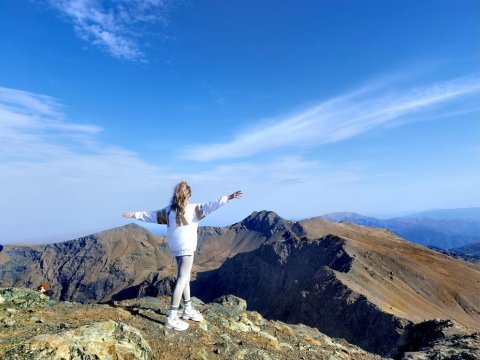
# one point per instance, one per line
(263, 221)
(345, 216)
(263, 214)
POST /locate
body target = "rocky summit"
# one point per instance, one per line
(38, 328)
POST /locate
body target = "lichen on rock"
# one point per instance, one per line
(103, 340)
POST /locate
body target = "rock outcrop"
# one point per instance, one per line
(134, 329)
(440, 339)
(102, 340)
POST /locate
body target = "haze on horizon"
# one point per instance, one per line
(309, 108)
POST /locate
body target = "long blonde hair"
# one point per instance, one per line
(181, 195)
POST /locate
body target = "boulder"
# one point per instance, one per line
(103, 340)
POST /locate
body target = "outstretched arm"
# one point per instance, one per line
(159, 217)
(206, 208)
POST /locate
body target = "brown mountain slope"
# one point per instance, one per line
(124, 262)
(404, 278)
(87, 269)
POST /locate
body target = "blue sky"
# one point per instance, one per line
(309, 107)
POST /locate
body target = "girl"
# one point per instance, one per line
(182, 220)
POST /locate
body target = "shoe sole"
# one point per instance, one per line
(191, 318)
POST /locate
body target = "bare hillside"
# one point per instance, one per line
(404, 278)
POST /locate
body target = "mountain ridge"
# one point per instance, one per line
(444, 233)
(471, 213)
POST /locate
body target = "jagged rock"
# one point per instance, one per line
(465, 347)
(232, 302)
(440, 340)
(9, 322)
(22, 297)
(155, 284)
(104, 340)
(229, 332)
(36, 319)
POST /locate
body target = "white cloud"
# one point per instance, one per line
(114, 26)
(276, 172)
(337, 119)
(58, 180)
(29, 121)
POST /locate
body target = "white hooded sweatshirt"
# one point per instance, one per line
(182, 235)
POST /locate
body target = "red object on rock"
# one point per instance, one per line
(44, 287)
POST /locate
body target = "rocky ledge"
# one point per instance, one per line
(36, 327)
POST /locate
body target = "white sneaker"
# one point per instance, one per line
(176, 324)
(192, 314)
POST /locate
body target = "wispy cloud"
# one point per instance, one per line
(339, 118)
(61, 172)
(114, 26)
(33, 127)
(29, 122)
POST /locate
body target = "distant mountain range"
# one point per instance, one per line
(471, 249)
(363, 284)
(454, 214)
(444, 229)
(469, 253)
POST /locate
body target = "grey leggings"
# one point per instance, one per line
(184, 268)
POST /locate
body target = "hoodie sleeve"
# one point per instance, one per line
(159, 216)
(202, 210)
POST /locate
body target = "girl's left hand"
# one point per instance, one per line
(235, 195)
